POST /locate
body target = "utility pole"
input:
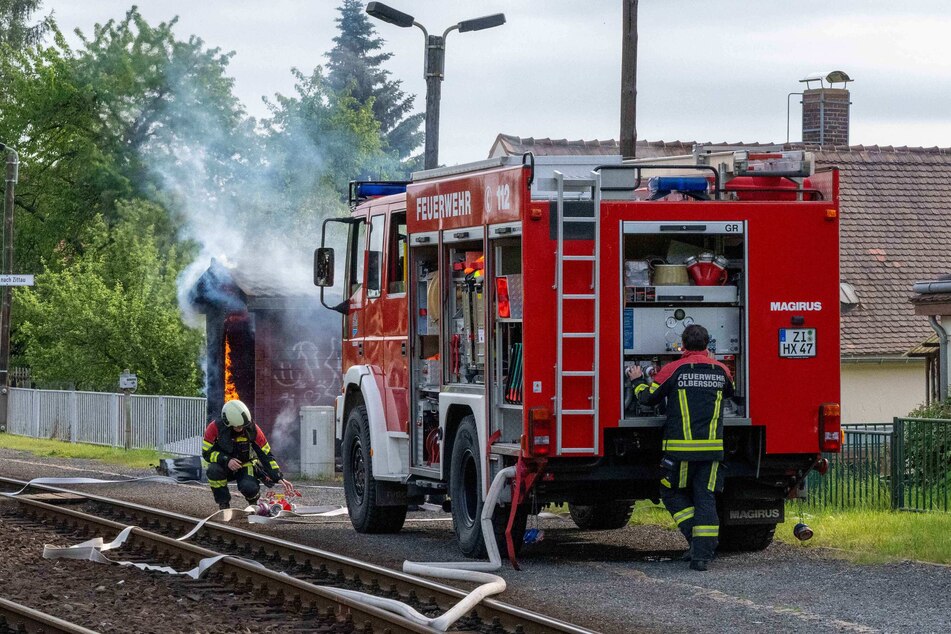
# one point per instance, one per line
(435, 63)
(628, 139)
(13, 164)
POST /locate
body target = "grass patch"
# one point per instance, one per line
(876, 536)
(135, 458)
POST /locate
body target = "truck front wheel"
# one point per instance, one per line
(602, 515)
(359, 485)
(746, 537)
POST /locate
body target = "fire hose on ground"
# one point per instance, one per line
(472, 571)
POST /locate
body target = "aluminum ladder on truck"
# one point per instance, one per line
(576, 301)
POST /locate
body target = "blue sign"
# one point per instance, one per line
(628, 329)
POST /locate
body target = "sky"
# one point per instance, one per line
(707, 71)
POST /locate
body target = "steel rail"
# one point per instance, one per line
(343, 569)
(19, 618)
(238, 573)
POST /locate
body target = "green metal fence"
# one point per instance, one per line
(922, 464)
(859, 476)
(903, 465)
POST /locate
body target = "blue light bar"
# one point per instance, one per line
(668, 184)
(371, 190)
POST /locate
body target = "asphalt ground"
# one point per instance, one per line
(627, 580)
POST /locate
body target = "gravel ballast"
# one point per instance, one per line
(612, 581)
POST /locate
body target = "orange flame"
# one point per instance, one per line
(231, 391)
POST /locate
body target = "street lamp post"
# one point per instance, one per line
(435, 59)
(13, 164)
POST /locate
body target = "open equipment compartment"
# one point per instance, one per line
(464, 309)
(425, 328)
(506, 336)
(677, 274)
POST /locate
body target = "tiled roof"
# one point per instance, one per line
(895, 231)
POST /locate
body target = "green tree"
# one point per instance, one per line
(15, 27)
(134, 112)
(355, 63)
(112, 308)
(317, 141)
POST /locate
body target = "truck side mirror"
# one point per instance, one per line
(324, 267)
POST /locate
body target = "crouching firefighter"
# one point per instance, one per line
(236, 450)
(694, 386)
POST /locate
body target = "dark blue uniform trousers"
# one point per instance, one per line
(248, 485)
(688, 490)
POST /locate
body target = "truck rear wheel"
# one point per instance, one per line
(746, 537)
(359, 485)
(465, 478)
(602, 515)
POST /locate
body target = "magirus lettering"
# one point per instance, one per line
(781, 306)
(755, 514)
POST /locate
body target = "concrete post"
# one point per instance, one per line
(73, 416)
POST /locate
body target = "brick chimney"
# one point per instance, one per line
(825, 110)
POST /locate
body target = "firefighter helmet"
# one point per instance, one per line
(235, 414)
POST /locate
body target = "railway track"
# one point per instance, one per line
(19, 618)
(298, 579)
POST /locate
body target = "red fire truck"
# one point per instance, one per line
(491, 309)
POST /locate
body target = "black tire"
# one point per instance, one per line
(359, 486)
(601, 515)
(465, 474)
(746, 538)
(465, 477)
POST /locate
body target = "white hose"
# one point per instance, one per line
(474, 571)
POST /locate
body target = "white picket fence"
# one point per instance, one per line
(170, 424)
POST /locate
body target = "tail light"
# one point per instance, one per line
(502, 297)
(830, 428)
(538, 441)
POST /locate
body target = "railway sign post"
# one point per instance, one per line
(17, 280)
(128, 383)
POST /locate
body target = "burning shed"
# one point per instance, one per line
(270, 344)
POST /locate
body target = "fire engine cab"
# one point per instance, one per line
(490, 311)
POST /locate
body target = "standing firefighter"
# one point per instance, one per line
(694, 386)
(237, 450)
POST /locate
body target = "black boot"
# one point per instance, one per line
(224, 505)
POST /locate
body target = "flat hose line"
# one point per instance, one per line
(472, 571)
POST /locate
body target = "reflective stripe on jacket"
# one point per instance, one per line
(220, 444)
(694, 386)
